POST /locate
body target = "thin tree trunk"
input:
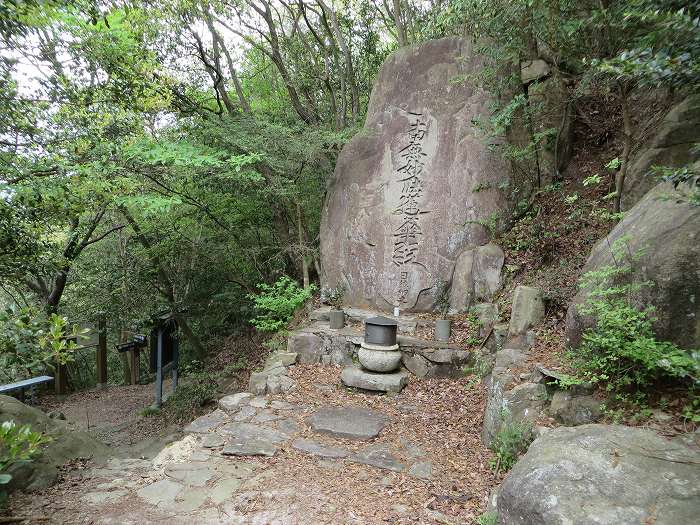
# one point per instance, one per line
(349, 70)
(302, 248)
(166, 286)
(401, 34)
(624, 90)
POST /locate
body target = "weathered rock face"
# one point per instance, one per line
(476, 277)
(66, 444)
(573, 410)
(528, 311)
(599, 474)
(671, 146)
(401, 206)
(668, 233)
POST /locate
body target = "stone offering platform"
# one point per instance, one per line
(318, 343)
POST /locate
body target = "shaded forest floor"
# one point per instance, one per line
(434, 422)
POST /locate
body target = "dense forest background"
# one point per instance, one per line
(171, 156)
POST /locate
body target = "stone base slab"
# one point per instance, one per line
(390, 382)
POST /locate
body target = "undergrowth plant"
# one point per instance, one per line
(511, 441)
(18, 444)
(621, 350)
(30, 342)
(200, 389)
(488, 518)
(276, 303)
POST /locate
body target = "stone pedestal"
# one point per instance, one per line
(377, 358)
(386, 382)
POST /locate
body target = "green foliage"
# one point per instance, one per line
(511, 441)
(334, 296)
(30, 342)
(18, 444)
(236, 366)
(480, 367)
(488, 518)
(150, 412)
(195, 392)
(685, 180)
(277, 303)
(621, 351)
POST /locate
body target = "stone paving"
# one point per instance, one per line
(211, 475)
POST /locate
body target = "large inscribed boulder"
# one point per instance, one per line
(418, 185)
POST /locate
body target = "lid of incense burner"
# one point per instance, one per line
(380, 331)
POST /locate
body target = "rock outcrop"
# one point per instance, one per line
(417, 186)
(528, 310)
(672, 146)
(600, 474)
(668, 234)
(66, 444)
(476, 277)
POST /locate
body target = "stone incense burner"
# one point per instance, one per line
(379, 351)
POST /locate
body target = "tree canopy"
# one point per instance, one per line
(174, 154)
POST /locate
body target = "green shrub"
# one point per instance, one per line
(30, 342)
(18, 444)
(150, 411)
(488, 518)
(621, 350)
(189, 397)
(277, 303)
(510, 442)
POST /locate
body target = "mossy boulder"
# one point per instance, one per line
(66, 444)
(667, 232)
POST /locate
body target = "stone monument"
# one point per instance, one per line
(417, 185)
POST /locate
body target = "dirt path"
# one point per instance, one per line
(112, 415)
(426, 465)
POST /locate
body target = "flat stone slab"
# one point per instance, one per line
(212, 441)
(379, 456)
(160, 493)
(391, 382)
(100, 498)
(234, 401)
(258, 402)
(318, 449)
(348, 422)
(191, 474)
(288, 426)
(244, 414)
(207, 422)
(421, 470)
(266, 416)
(283, 405)
(250, 448)
(241, 432)
(223, 490)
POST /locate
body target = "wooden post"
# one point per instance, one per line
(159, 370)
(101, 352)
(125, 359)
(61, 380)
(176, 362)
(135, 363)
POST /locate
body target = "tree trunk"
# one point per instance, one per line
(166, 286)
(624, 91)
(401, 34)
(302, 248)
